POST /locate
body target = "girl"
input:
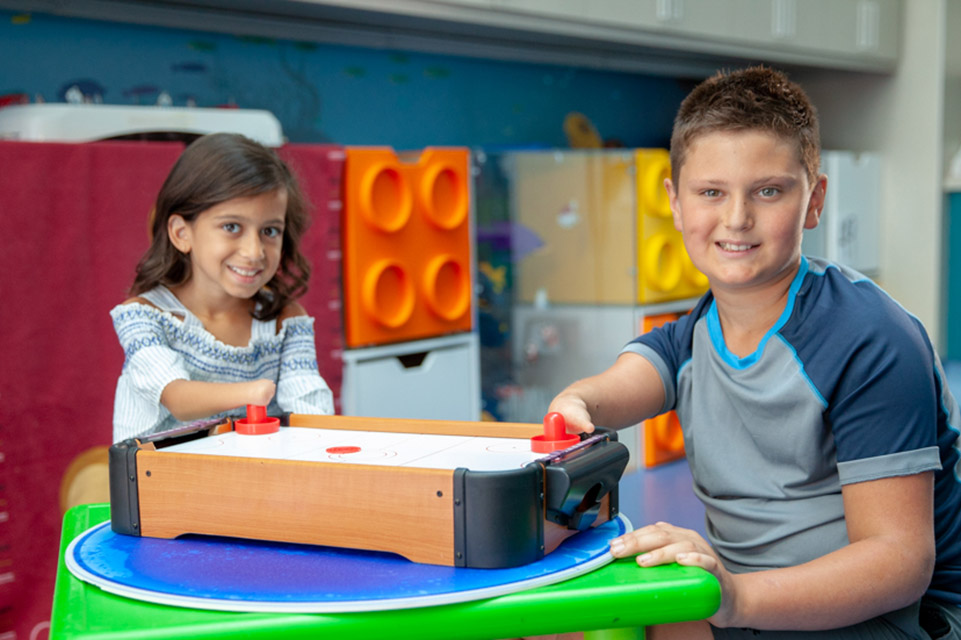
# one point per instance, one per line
(214, 324)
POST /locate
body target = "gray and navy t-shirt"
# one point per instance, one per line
(844, 388)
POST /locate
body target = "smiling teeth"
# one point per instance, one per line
(727, 246)
(245, 272)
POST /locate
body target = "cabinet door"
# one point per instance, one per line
(861, 28)
(467, 3)
(831, 33)
(821, 28)
(564, 9)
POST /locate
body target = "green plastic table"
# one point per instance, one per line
(613, 602)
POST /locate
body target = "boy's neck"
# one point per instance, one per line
(746, 315)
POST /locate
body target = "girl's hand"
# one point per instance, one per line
(260, 392)
(663, 543)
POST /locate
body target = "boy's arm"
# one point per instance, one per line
(190, 400)
(628, 392)
(886, 566)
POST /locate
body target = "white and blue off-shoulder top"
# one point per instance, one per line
(166, 342)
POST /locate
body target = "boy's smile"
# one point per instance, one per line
(742, 201)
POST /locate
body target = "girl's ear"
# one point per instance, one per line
(179, 233)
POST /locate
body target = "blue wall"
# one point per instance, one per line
(330, 93)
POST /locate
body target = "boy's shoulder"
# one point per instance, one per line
(843, 321)
(840, 297)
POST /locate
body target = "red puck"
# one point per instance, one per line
(336, 450)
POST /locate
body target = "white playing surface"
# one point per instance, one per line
(377, 448)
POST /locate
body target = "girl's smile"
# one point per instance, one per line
(234, 247)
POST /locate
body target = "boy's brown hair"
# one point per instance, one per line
(213, 169)
(754, 98)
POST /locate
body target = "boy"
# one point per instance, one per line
(817, 426)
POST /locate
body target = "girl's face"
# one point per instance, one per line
(235, 246)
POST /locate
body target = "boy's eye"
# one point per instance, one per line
(711, 193)
(769, 192)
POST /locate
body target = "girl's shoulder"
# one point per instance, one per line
(159, 301)
(293, 310)
(138, 300)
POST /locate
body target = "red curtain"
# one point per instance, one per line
(73, 224)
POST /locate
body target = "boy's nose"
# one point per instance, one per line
(737, 215)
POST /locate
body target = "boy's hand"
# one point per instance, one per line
(575, 413)
(663, 543)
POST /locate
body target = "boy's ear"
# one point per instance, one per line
(675, 208)
(179, 233)
(816, 202)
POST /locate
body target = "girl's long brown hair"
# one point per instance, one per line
(213, 169)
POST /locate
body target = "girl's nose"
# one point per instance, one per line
(252, 247)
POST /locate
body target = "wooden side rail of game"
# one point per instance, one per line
(213, 482)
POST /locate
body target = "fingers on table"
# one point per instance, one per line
(661, 543)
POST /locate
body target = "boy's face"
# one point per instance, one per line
(742, 201)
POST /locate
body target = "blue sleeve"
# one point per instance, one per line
(875, 369)
(884, 415)
(669, 347)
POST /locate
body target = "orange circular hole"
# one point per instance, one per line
(444, 197)
(447, 287)
(388, 294)
(385, 199)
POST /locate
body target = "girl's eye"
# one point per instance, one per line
(231, 227)
(272, 232)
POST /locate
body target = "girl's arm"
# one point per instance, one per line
(192, 400)
(300, 388)
(189, 400)
(628, 392)
(886, 566)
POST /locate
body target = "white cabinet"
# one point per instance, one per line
(433, 379)
(849, 229)
(685, 36)
(836, 33)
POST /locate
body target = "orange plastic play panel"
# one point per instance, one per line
(663, 438)
(406, 245)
